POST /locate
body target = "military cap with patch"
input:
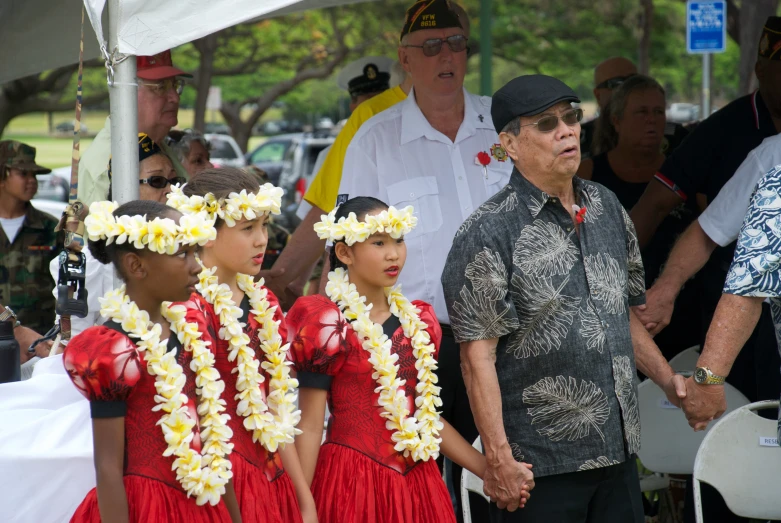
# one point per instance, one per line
(770, 41)
(18, 155)
(370, 74)
(146, 148)
(430, 14)
(526, 96)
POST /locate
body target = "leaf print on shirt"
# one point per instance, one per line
(477, 317)
(544, 250)
(506, 205)
(606, 281)
(623, 373)
(516, 450)
(591, 329)
(547, 316)
(592, 201)
(568, 410)
(600, 462)
(636, 272)
(535, 206)
(488, 274)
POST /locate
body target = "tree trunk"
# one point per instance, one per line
(206, 47)
(752, 17)
(646, 24)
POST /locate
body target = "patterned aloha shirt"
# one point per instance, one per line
(559, 304)
(756, 265)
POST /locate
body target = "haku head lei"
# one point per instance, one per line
(160, 235)
(238, 205)
(395, 222)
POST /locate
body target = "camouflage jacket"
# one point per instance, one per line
(25, 283)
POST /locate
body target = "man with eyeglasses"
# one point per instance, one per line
(424, 152)
(159, 86)
(608, 75)
(539, 284)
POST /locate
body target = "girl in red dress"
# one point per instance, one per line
(371, 354)
(151, 395)
(248, 330)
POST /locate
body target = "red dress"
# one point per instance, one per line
(264, 490)
(359, 477)
(107, 368)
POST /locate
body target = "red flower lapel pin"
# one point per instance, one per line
(580, 213)
(483, 158)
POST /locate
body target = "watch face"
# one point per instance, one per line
(700, 376)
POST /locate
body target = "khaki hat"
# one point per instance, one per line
(18, 155)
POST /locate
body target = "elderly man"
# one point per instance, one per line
(539, 284)
(422, 152)
(159, 87)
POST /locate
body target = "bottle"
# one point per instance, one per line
(10, 367)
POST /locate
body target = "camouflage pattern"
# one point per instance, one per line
(277, 235)
(18, 155)
(25, 282)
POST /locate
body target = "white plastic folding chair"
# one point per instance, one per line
(686, 360)
(740, 458)
(471, 483)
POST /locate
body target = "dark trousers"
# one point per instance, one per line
(456, 411)
(606, 495)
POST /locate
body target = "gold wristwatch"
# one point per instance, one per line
(704, 376)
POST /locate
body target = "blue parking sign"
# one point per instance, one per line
(706, 27)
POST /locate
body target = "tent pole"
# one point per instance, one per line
(123, 95)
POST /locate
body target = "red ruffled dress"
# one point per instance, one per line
(264, 490)
(359, 477)
(107, 368)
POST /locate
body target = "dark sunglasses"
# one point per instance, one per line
(548, 123)
(612, 83)
(456, 43)
(160, 182)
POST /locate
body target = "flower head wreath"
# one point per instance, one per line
(396, 222)
(160, 235)
(267, 200)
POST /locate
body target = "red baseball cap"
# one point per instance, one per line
(158, 67)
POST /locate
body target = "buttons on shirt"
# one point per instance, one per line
(605, 324)
(553, 200)
(412, 195)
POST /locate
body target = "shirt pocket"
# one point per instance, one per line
(423, 194)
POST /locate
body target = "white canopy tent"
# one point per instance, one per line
(44, 34)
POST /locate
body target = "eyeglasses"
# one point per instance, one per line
(612, 83)
(164, 86)
(548, 123)
(160, 182)
(456, 43)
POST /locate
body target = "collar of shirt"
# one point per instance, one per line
(762, 117)
(534, 198)
(414, 124)
(33, 218)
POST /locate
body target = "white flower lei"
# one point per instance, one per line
(395, 222)
(414, 435)
(205, 474)
(268, 199)
(274, 424)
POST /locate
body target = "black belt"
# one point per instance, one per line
(446, 330)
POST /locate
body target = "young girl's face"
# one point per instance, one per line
(378, 260)
(240, 248)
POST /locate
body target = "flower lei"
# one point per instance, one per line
(396, 222)
(414, 435)
(161, 235)
(205, 474)
(274, 424)
(268, 199)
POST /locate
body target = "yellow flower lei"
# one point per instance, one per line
(396, 222)
(205, 474)
(268, 199)
(414, 435)
(274, 425)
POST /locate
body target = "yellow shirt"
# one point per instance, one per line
(325, 187)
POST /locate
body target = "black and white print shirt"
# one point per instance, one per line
(559, 303)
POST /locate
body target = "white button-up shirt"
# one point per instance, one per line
(723, 218)
(399, 158)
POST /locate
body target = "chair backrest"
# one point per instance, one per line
(740, 458)
(686, 360)
(667, 443)
(471, 483)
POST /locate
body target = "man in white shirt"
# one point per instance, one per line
(423, 152)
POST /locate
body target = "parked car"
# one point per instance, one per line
(683, 112)
(68, 127)
(216, 128)
(298, 164)
(270, 154)
(224, 151)
(52, 207)
(324, 123)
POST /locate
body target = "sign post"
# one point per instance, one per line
(706, 33)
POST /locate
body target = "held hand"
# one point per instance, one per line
(703, 403)
(657, 311)
(26, 337)
(675, 390)
(504, 482)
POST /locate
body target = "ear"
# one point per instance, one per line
(344, 253)
(133, 266)
(404, 59)
(759, 70)
(510, 144)
(616, 123)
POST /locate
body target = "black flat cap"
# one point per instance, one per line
(526, 96)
